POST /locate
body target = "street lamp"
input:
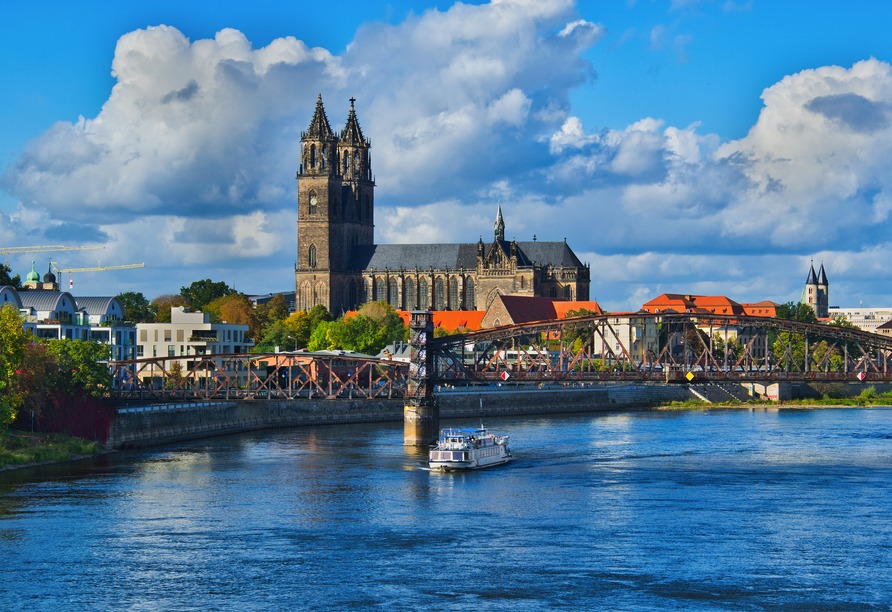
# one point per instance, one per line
(295, 341)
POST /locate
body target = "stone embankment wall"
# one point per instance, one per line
(149, 425)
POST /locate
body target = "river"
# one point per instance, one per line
(669, 510)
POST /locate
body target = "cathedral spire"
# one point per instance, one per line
(812, 277)
(319, 126)
(500, 224)
(352, 133)
(822, 276)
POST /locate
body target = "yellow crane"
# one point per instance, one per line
(99, 267)
(36, 249)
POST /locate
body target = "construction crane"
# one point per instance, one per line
(36, 249)
(99, 267)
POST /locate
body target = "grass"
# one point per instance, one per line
(19, 448)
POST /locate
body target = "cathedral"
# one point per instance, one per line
(340, 266)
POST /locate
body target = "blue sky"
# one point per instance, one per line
(638, 130)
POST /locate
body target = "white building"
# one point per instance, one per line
(868, 319)
(191, 333)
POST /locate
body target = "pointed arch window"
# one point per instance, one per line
(410, 294)
(423, 294)
(568, 293)
(453, 294)
(470, 299)
(440, 295)
(380, 290)
(324, 152)
(312, 156)
(313, 201)
(552, 292)
(394, 297)
(311, 258)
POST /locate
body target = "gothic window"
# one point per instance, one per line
(312, 156)
(313, 201)
(552, 292)
(380, 290)
(453, 294)
(306, 297)
(470, 300)
(568, 292)
(321, 294)
(355, 160)
(369, 291)
(351, 295)
(440, 295)
(346, 163)
(521, 282)
(422, 294)
(410, 294)
(311, 260)
(324, 152)
(394, 297)
(492, 296)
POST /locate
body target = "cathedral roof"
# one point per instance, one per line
(557, 254)
(319, 126)
(352, 133)
(411, 256)
(812, 278)
(822, 277)
(455, 256)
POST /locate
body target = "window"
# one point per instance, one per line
(143, 335)
(180, 335)
(568, 292)
(423, 294)
(313, 201)
(552, 292)
(156, 335)
(167, 335)
(312, 156)
(394, 297)
(139, 350)
(171, 350)
(440, 295)
(311, 259)
(410, 294)
(470, 300)
(380, 290)
(453, 294)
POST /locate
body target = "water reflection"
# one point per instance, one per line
(639, 511)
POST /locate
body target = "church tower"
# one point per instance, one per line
(335, 204)
(817, 292)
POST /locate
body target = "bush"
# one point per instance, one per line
(868, 393)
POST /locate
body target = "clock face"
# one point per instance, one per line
(313, 201)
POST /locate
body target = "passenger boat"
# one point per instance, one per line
(468, 449)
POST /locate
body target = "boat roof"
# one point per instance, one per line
(453, 430)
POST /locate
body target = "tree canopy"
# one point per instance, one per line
(6, 278)
(796, 311)
(137, 309)
(13, 342)
(375, 326)
(203, 292)
(162, 304)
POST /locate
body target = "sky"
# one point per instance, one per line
(683, 146)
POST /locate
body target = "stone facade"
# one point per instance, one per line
(817, 293)
(340, 267)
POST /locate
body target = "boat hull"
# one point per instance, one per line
(470, 464)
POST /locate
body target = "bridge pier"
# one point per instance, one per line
(421, 414)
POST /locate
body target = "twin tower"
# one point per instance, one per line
(335, 207)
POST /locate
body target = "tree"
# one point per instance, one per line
(162, 304)
(374, 327)
(796, 311)
(203, 292)
(13, 341)
(238, 310)
(137, 309)
(6, 278)
(81, 366)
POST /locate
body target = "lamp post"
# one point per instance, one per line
(295, 341)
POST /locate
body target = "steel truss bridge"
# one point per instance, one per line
(684, 349)
(257, 376)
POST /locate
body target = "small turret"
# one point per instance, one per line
(500, 225)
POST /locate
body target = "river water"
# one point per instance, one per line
(673, 510)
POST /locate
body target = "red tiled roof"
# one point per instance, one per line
(705, 304)
(562, 308)
(526, 309)
(447, 319)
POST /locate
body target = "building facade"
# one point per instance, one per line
(340, 266)
(817, 292)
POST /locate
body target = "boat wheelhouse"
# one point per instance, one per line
(468, 449)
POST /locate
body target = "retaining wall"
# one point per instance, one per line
(137, 425)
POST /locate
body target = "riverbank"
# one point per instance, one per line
(19, 449)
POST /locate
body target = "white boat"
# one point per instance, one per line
(468, 449)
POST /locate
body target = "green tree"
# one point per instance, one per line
(796, 311)
(6, 278)
(162, 304)
(13, 342)
(82, 366)
(137, 309)
(203, 292)
(374, 327)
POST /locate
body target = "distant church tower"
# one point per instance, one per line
(817, 292)
(335, 202)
